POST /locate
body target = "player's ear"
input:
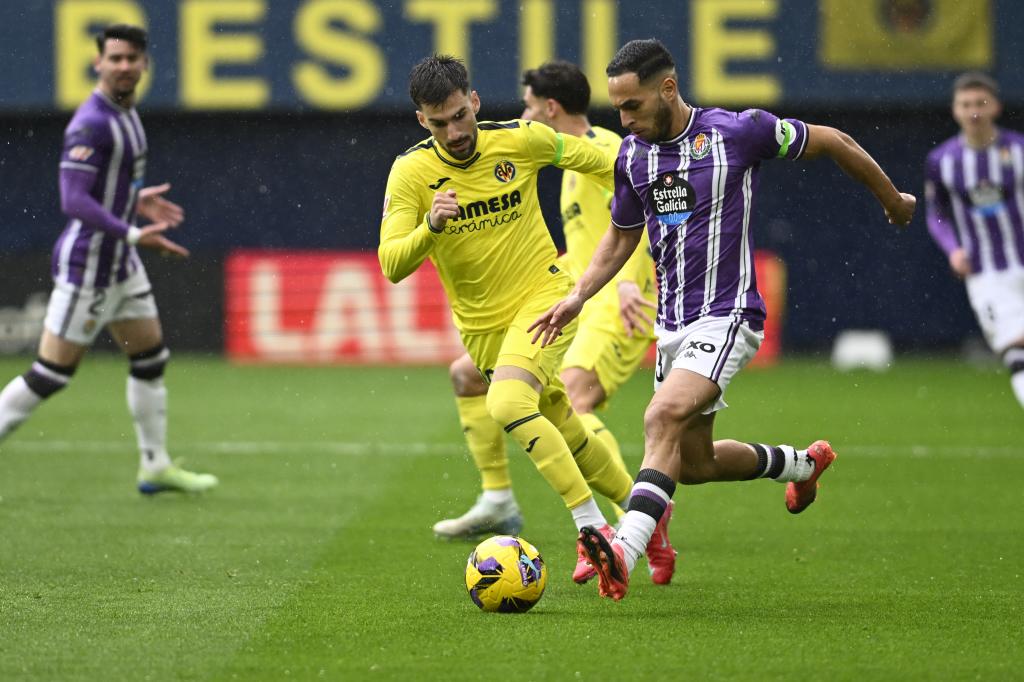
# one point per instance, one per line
(474, 100)
(96, 65)
(669, 88)
(551, 108)
(422, 119)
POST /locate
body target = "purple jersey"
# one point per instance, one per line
(975, 200)
(101, 172)
(695, 195)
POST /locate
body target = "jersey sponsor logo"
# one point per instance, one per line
(80, 153)
(700, 147)
(505, 171)
(702, 346)
(479, 215)
(440, 181)
(673, 199)
(986, 197)
(476, 209)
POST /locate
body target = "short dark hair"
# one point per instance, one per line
(645, 58)
(435, 78)
(561, 81)
(130, 34)
(976, 79)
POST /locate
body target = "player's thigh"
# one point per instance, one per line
(136, 335)
(519, 350)
(716, 348)
(584, 388)
(466, 379)
(53, 348)
(998, 302)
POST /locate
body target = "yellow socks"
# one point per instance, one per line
(486, 442)
(604, 434)
(514, 405)
(602, 470)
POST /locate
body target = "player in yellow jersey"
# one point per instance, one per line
(614, 331)
(467, 199)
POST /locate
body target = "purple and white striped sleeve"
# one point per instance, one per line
(939, 212)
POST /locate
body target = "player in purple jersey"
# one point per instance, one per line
(688, 175)
(99, 280)
(974, 192)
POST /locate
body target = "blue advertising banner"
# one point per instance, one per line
(346, 55)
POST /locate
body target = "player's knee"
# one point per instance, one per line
(149, 364)
(466, 379)
(661, 417)
(509, 401)
(1013, 358)
(45, 378)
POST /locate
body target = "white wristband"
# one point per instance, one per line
(133, 236)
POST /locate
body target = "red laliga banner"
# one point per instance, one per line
(323, 307)
(337, 307)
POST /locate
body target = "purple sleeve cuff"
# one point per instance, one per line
(77, 203)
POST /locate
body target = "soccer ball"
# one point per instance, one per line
(505, 574)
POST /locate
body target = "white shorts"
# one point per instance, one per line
(714, 347)
(77, 314)
(998, 302)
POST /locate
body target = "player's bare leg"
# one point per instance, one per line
(679, 447)
(586, 393)
(142, 341)
(495, 510)
(52, 371)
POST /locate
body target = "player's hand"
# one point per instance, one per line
(960, 263)
(900, 212)
(152, 237)
(445, 206)
(631, 308)
(152, 205)
(549, 325)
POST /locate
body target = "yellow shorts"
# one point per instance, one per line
(512, 346)
(612, 355)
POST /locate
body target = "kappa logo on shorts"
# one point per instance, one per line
(505, 171)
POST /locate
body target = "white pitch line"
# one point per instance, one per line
(363, 448)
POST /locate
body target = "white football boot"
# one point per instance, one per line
(483, 518)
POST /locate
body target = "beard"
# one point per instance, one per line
(662, 122)
(463, 153)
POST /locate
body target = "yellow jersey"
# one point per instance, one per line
(586, 216)
(498, 249)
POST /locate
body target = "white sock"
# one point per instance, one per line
(1016, 380)
(147, 402)
(798, 466)
(588, 514)
(502, 496)
(635, 532)
(17, 401)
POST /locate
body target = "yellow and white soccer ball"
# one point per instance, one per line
(506, 574)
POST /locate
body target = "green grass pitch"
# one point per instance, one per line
(314, 559)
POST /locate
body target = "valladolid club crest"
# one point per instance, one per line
(700, 147)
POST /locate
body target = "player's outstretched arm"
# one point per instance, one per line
(858, 164)
(612, 253)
